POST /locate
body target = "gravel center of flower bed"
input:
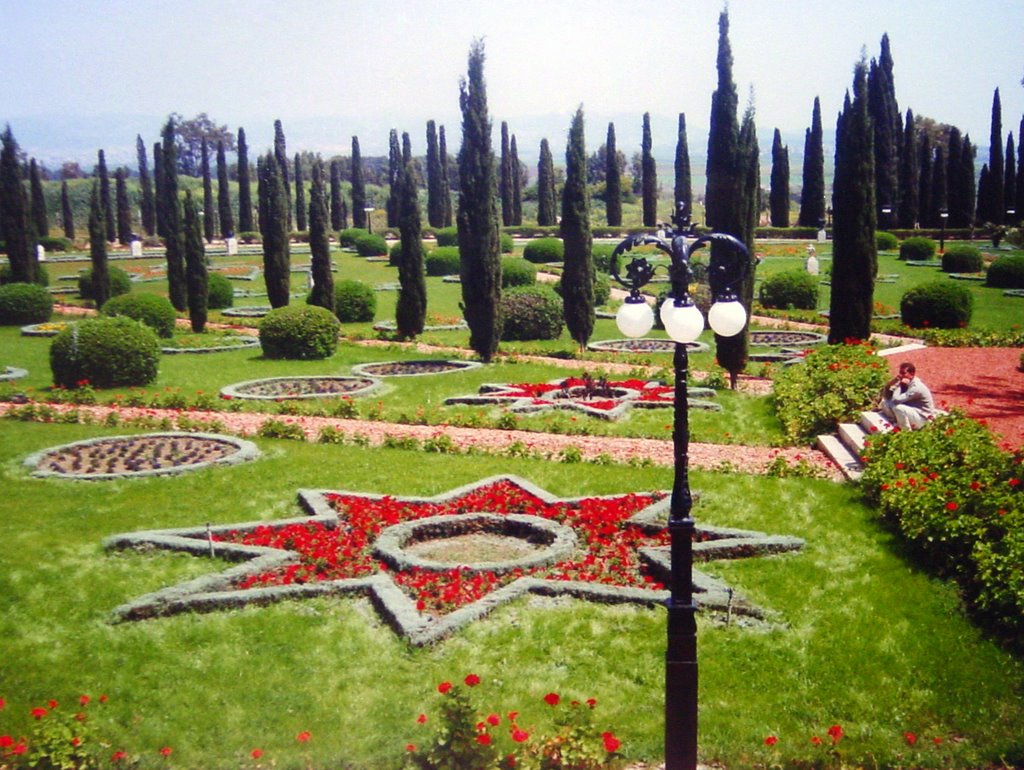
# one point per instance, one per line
(314, 386)
(412, 368)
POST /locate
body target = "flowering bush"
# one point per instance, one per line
(467, 737)
(956, 496)
(832, 385)
(60, 739)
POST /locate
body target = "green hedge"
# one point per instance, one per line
(885, 241)
(347, 237)
(371, 245)
(544, 250)
(120, 282)
(531, 313)
(300, 332)
(354, 301)
(447, 236)
(105, 353)
(791, 289)
(42, 274)
(1007, 272)
(153, 310)
(517, 272)
(507, 246)
(220, 292)
(941, 304)
(24, 303)
(962, 258)
(444, 260)
(918, 249)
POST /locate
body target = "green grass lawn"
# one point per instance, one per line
(860, 637)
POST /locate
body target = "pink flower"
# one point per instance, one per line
(951, 506)
(39, 712)
(6, 741)
(611, 743)
(520, 736)
(493, 720)
(483, 739)
(472, 680)
(552, 699)
(444, 687)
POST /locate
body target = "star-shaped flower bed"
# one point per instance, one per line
(607, 400)
(431, 565)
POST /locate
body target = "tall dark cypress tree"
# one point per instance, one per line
(1010, 182)
(885, 123)
(14, 210)
(337, 223)
(926, 210)
(394, 168)
(274, 228)
(171, 207)
(779, 194)
(435, 203)
(812, 197)
(40, 218)
(442, 149)
(196, 278)
(319, 241)
(612, 180)
(209, 215)
(517, 183)
(358, 186)
(148, 201)
(505, 178)
(578, 271)
(281, 156)
(224, 212)
(683, 189)
(479, 245)
(984, 206)
(411, 307)
(1018, 193)
(854, 254)
(105, 197)
(650, 175)
(967, 157)
(940, 194)
(67, 215)
(546, 216)
(300, 196)
(158, 190)
(954, 180)
(995, 209)
(245, 223)
(910, 211)
(124, 209)
(98, 247)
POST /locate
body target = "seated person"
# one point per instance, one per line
(906, 400)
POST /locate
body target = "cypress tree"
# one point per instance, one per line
(209, 213)
(578, 270)
(411, 308)
(158, 191)
(984, 195)
(98, 247)
(124, 209)
(886, 126)
(446, 196)
(196, 278)
(650, 176)
(337, 223)
(176, 280)
(245, 223)
(517, 183)
(926, 211)
(1010, 182)
(995, 210)
(479, 244)
(105, 199)
(261, 197)
(67, 215)
(683, 189)
(319, 241)
(300, 196)
(358, 187)
(274, 227)
(779, 195)
(910, 211)
(612, 180)
(854, 253)
(940, 190)
(40, 218)
(394, 168)
(505, 178)
(148, 202)
(545, 186)
(967, 157)
(14, 210)
(1018, 193)
(281, 156)
(435, 203)
(954, 179)
(812, 196)
(224, 212)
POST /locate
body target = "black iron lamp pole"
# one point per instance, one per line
(684, 324)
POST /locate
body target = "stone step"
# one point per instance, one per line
(841, 455)
(852, 437)
(874, 422)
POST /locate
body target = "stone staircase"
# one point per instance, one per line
(846, 446)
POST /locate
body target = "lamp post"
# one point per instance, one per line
(943, 216)
(369, 224)
(684, 324)
(886, 211)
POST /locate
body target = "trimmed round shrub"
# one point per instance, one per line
(1007, 272)
(941, 304)
(153, 310)
(962, 259)
(507, 244)
(792, 289)
(602, 288)
(531, 313)
(918, 249)
(25, 303)
(543, 250)
(347, 237)
(371, 245)
(220, 292)
(517, 272)
(56, 243)
(443, 260)
(447, 236)
(299, 332)
(601, 253)
(354, 301)
(120, 283)
(106, 353)
(886, 241)
(395, 255)
(246, 236)
(42, 274)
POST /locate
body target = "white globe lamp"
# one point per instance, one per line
(635, 318)
(727, 318)
(683, 322)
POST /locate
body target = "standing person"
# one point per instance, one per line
(906, 400)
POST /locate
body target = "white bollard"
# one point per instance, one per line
(232, 243)
(136, 246)
(40, 252)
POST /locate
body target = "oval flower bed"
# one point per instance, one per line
(144, 455)
(208, 342)
(313, 386)
(644, 345)
(785, 338)
(246, 311)
(413, 368)
(47, 329)
(12, 373)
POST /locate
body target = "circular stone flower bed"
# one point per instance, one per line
(391, 326)
(315, 386)
(144, 455)
(780, 339)
(12, 373)
(246, 311)
(413, 368)
(48, 329)
(208, 342)
(645, 346)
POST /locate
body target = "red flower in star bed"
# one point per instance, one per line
(607, 552)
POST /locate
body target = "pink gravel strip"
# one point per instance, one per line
(742, 459)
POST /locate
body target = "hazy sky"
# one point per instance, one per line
(380, 64)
